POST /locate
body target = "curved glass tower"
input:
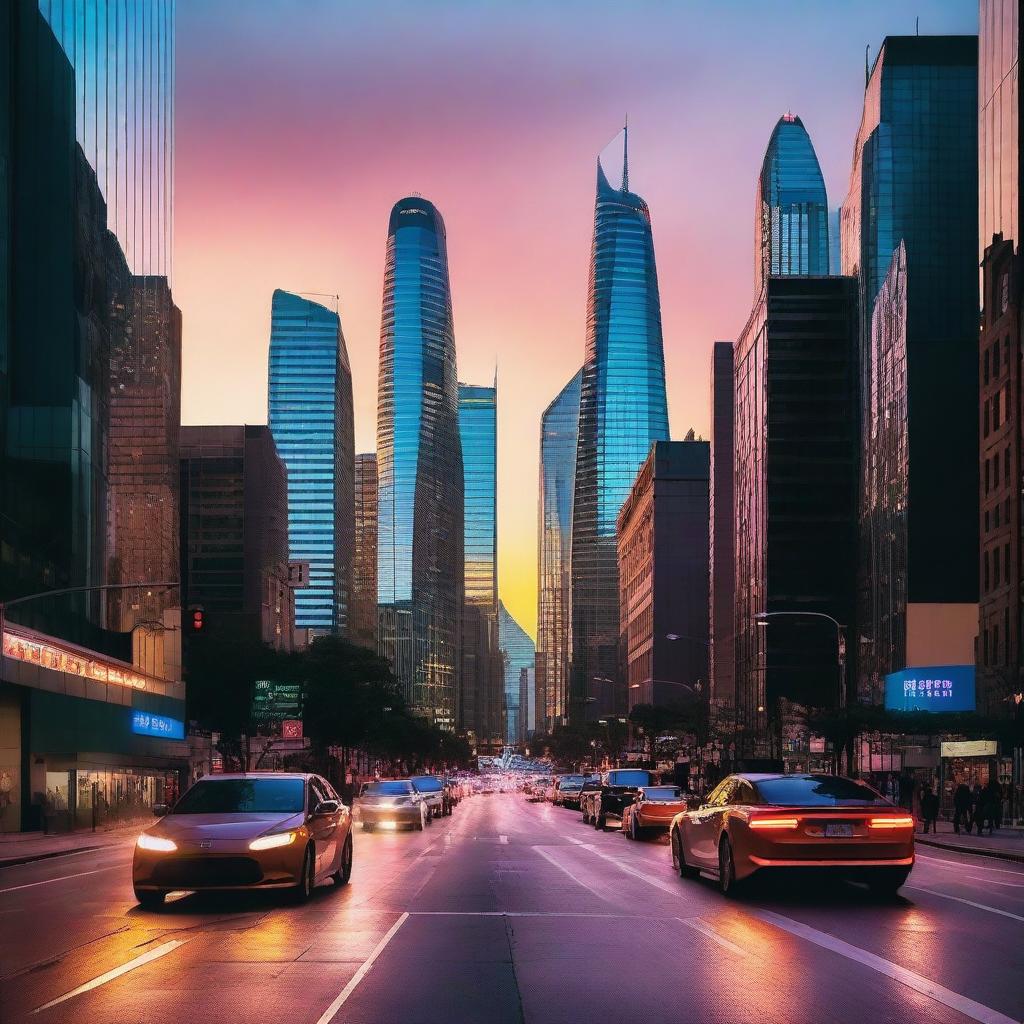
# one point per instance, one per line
(791, 210)
(419, 464)
(310, 415)
(623, 410)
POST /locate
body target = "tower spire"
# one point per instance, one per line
(625, 155)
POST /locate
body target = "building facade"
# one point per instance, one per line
(311, 419)
(481, 696)
(559, 430)
(623, 410)
(791, 218)
(721, 554)
(795, 497)
(663, 549)
(913, 200)
(420, 562)
(518, 654)
(363, 620)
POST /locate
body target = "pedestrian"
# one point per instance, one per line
(961, 806)
(977, 808)
(992, 801)
(929, 808)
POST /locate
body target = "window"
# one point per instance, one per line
(984, 427)
(984, 363)
(988, 474)
(985, 572)
(817, 791)
(1006, 464)
(233, 796)
(1006, 562)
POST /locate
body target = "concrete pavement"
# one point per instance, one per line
(510, 911)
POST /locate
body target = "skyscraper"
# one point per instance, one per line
(519, 653)
(791, 211)
(914, 192)
(420, 565)
(310, 414)
(481, 696)
(623, 410)
(559, 429)
(363, 620)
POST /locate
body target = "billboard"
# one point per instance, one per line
(935, 688)
(146, 724)
(273, 702)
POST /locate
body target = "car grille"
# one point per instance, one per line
(194, 872)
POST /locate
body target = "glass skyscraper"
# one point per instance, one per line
(623, 410)
(363, 618)
(914, 183)
(420, 565)
(559, 429)
(481, 702)
(791, 211)
(518, 653)
(310, 414)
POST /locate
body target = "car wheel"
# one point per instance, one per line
(679, 858)
(344, 872)
(419, 824)
(599, 821)
(149, 900)
(634, 831)
(887, 881)
(302, 889)
(727, 883)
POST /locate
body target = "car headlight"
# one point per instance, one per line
(272, 842)
(155, 843)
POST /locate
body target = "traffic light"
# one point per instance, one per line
(195, 618)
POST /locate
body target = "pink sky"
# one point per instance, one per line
(299, 124)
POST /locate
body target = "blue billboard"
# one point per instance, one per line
(936, 688)
(144, 723)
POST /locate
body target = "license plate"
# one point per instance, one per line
(839, 831)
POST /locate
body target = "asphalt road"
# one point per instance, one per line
(510, 912)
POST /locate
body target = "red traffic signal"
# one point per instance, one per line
(196, 619)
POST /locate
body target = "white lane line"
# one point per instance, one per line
(561, 867)
(60, 878)
(656, 882)
(968, 1007)
(328, 1014)
(961, 865)
(705, 929)
(533, 913)
(996, 881)
(117, 972)
(960, 899)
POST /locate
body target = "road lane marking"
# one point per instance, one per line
(117, 972)
(60, 878)
(561, 867)
(960, 899)
(996, 881)
(534, 913)
(705, 929)
(961, 866)
(968, 1007)
(329, 1013)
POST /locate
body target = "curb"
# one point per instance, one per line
(974, 851)
(8, 862)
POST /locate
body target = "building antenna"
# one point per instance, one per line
(625, 155)
(867, 73)
(917, 25)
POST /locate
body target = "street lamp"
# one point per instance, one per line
(762, 621)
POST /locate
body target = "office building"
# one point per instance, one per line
(363, 620)
(663, 542)
(420, 563)
(623, 411)
(909, 235)
(310, 416)
(795, 496)
(559, 430)
(518, 652)
(722, 654)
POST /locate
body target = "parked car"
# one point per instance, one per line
(614, 792)
(753, 822)
(432, 789)
(653, 809)
(390, 804)
(567, 790)
(260, 830)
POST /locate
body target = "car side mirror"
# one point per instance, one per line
(159, 810)
(326, 807)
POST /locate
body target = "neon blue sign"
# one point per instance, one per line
(936, 688)
(146, 724)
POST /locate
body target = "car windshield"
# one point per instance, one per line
(663, 793)
(387, 788)
(629, 777)
(233, 796)
(817, 791)
(572, 780)
(570, 785)
(427, 785)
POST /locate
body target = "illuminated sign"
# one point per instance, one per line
(146, 724)
(937, 688)
(273, 702)
(969, 748)
(53, 655)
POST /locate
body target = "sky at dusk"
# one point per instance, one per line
(300, 123)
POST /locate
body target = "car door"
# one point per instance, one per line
(700, 829)
(324, 828)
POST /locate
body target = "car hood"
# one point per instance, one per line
(224, 826)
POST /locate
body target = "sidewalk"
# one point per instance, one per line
(23, 847)
(1006, 844)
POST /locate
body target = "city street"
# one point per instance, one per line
(511, 911)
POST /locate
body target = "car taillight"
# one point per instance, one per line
(773, 823)
(892, 821)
